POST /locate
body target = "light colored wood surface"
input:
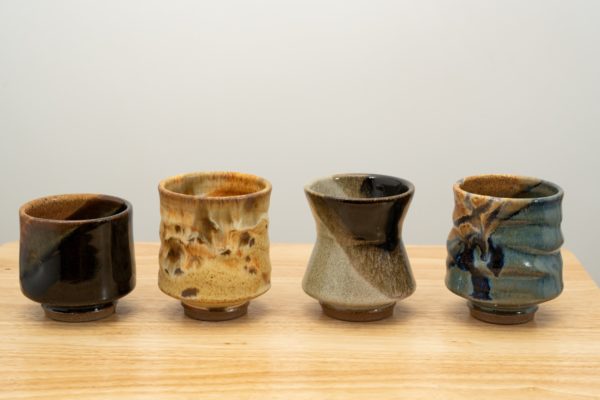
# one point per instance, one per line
(286, 348)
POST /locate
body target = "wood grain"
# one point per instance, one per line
(286, 348)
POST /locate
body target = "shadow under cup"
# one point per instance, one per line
(214, 253)
(76, 254)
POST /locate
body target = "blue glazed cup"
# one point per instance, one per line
(504, 248)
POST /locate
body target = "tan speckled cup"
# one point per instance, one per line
(214, 253)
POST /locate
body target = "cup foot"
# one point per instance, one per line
(374, 314)
(80, 314)
(216, 313)
(502, 317)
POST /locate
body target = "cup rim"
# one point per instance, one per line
(58, 197)
(555, 196)
(408, 184)
(163, 190)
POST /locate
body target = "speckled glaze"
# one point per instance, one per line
(504, 248)
(76, 254)
(214, 253)
(359, 268)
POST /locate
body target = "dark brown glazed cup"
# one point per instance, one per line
(76, 254)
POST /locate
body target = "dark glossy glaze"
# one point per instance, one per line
(375, 223)
(76, 251)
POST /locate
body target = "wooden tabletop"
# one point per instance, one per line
(286, 348)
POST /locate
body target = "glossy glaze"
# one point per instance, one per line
(214, 253)
(504, 248)
(359, 268)
(76, 254)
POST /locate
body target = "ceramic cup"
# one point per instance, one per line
(76, 254)
(359, 268)
(504, 248)
(214, 253)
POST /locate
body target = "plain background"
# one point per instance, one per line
(111, 97)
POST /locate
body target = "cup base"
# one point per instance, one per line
(216, 313)
(374, 314)
(79, 314)
(502, 317)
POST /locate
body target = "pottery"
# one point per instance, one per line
(76, 254)
(214, 253)
(504, 248)
(358, 268)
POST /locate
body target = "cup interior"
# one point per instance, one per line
(74, 207)
(207, 185)
(360, 186)
(508, 186)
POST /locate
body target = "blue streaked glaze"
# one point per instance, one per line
(504, 247)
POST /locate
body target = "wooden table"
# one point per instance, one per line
(286, 348)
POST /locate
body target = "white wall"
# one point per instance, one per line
(113, 96)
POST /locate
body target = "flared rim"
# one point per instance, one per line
(410, 188)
